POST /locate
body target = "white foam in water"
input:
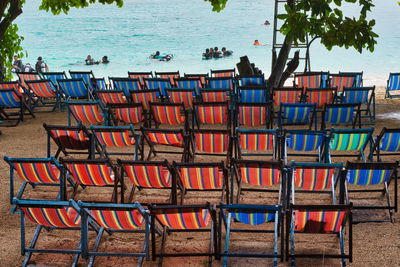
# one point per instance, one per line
(391, 115)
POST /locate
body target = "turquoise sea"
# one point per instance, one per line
(184, 28)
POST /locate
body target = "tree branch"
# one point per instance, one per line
(3, 6)
(13, 12)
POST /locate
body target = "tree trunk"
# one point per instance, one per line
(276, 74)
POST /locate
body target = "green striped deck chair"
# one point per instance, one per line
(393, 85)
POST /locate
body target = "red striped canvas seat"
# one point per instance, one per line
(53, 217)
(91, 174)
(318, 221)
(201, 177)
(86, 113)
(70, 139)
(184, 220)
(118, 219)
(37, 172)
(150, 176)
(115, 138)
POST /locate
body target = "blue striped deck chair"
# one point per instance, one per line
(74, 88)
(263, 176)
(113, 140)
(255, 216)
(221, 82)
(393, 85)
(189, 83)
(358, 77)
(250, 81)
(349, 140)
(341, 81)
(211, 113)
(304, 143)
(182, 95)
(171, 76)
(111, 97)
(253, 115)
(223, 73)
(387, 143)
(87, 112)
(366, 97)
(126, 114)
(54, 76)
(87, 76)
(23, 77)
(44, 94)
(376, 179)
(261, 143)
(100, 84)
(115, 218)
(309, 80)
(341, 114)
(317, 220)
(297, 114)
(252, 94)
(178, 220)
(140, 76)
(158, 83)
(127, 85)
(201, 76)
(53, 216)
(13, 107)
(202, 178)
(313, 178)
(151, 175)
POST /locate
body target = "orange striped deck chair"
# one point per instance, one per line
(53, 216)
(184, 219)
(258, 142)
(168, 114)
(168, 75)
(145, 97)
(43, 93)
(253, 115)
(126, 113)
(140, 76)
(202, 177)
(185, 96)
(23, 77)
(223, 73)
(148, 175)
(93, 173)
(341, 81)
(167, 137)
(115, 218)
(86, 112)
(310, 80)
(215, 95)
(286, 95)
(211, 143)
(201, 76)
(213, 113)
(111, 97)
(264, 174)
(12, 85)
(320, 96)
(319, 219)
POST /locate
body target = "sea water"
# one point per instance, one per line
(128, 35)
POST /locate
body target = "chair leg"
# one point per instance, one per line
(96, 246)
(32, 245)
(227, 235)
(342, 248)
(164, 240)
(389, 204)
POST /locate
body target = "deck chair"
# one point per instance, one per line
(118, 137)
(127, 85)
(286, 95)
(371, 176)
(36, 172)
(261, 143)
(387, 143)
(23, 77)
(140, 76)
(167, 137)
(366, 97)
(74, 88)
(89, 112)
(256, 216)
(313, 178)
(253, 115)
(201, 177)
(87, 77)
(319, 219)
(144, 98)
(171, 76)
(71, 140)
(13, 107)
(320, 96)
(309, 80)
(251, 80)
(345, 114)
(52, 216)
(184, 219)
(358, 80)
(297, 114)
(223, 73)
(201, 76)
(100, 84)
(111, 97)
(126, 114)
(156, 175)
(211, 143)
(349, 140)
(341, 81)
(158, 83)
(212, 113)
(114, 218)
(54, 76)
(263, 174)
(215, 94)
(169, 114)
(393, 85)
(304, 143)
(252, 94)
(189, 83)
(93, 173)
(221, 82)
(43, 94)
(185, 96)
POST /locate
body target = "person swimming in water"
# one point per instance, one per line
(207, 54)
(266, 23)
(226, 53)
(161, 58)
(105, 60)
(256, 42)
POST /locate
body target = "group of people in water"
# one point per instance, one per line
(215, 53)
(90, 61)
(18, 66)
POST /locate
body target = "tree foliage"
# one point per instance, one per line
(58, 6)
(10, 45)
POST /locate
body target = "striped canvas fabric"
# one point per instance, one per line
(173, 139)
(114, 138)
(368, 176)
(11, 85)
(313, 178)
(319, 97)
(118, 219)
(260, 176)
(53, 217)
(223, 74)
(355, 96)
(86, 77)
(87, 113)
(254, 218)
(127, 85)
(154, 84)
(73, 88)
(286, 97)
(139, 77)
(304, 142)
(256, 141)
(144, 98)
(9, 98)
(220, 83)
(54, 76)
(394, 81)
(318, 221)
(308, 81)
(252, 96)
(170, 115)
(342, 81)
(244, 81)
(185, 97)
(212, 114)
(296, 114)
(23, 77)
(209, 142)
(252, 115)
(348, 141)
(189, 84)
(201, 177)
(91, 174)
(43, 89)
(70, 139)
(336, 115)
(37, 172)
(213, 96)
(149, 176)
(390, 142)
(187, 220)
(171, 77)
(107, 97)
(129, 115)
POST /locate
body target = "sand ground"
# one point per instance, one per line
(375, 244)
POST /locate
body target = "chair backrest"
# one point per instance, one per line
(252, 214)
(223, 73)
(127, 113)
(171, 76)
(189, 83)
(304, 140)
(308, 80)
(158, 83)
(11, 85)
(251, 81)
(370, 173)
(87, 76)
(260, 173)
(349, 139)
(340, 113)
(211, 141)
(320, 96)
(201, 76)
(355, 95)
(393, 82)
(184, 96)
(69, 137)
(114, 136)
(214, 95)
(27, 76)
(10, 98)
(127, 85)
(111, 97)
(212, 113)
(290, 95)
(54, 76)
(358, 77)
(220, 82)
(145, 97)
(256, 140)
(42, 88)
(168, 113)
(292, 114)
(73, 87)
(164, 136)
(252, 114)
(389, 140)
(140, 76)
(252, 94)
(100, 84)
(86, 111)
(342, 80)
